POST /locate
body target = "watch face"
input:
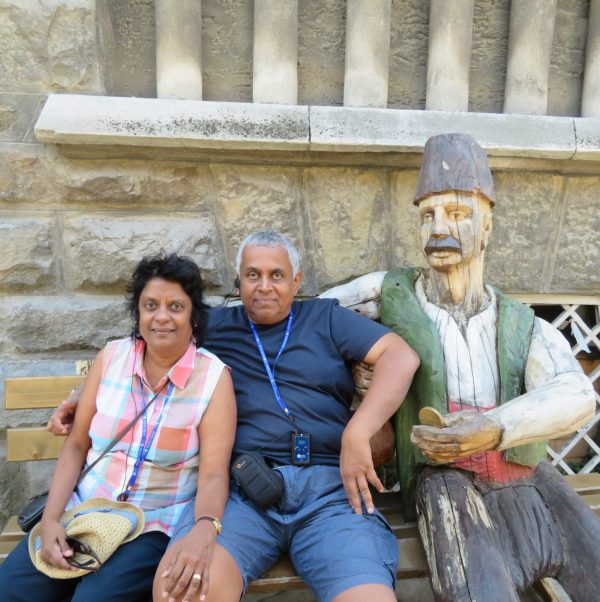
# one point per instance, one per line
(217, 524)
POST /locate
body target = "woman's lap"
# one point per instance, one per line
(127, 575)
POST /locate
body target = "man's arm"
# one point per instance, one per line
(394, 364)
(362, 295)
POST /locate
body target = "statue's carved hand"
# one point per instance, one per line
(466, 433)
(363, 374)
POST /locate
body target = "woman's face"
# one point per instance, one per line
(165, 316)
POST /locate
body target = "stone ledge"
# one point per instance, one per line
(385, 130)
(163, 123)
(157, 122)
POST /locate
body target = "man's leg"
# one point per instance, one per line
(360, 593)
(463, 552)
(580, 533)
(342, 556)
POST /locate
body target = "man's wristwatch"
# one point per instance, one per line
(215, 521)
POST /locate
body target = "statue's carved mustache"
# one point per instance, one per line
(448, 243)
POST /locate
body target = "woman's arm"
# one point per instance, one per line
(68, 468)
(193, 553)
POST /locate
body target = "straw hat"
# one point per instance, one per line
(101, 524)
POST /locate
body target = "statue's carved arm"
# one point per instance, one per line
(362, 294)
(559, 398)
(556, 409)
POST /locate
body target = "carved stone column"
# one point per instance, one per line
(590, 102)
(450, 39)
(529, 49)
(367, 53)
(275, 58)
(178, 49)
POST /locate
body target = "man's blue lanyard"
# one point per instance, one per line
(270, 373)
(144, 448)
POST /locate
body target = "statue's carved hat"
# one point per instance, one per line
(454, 162)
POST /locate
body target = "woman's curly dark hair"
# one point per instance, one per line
(173, 268)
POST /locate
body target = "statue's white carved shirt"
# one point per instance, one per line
(472, 362)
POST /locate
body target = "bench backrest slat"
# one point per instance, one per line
(39, 391)
(32, 444)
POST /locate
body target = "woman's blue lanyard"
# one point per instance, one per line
(144, 448)
(270, 373)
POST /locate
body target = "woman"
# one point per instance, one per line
(155, 464)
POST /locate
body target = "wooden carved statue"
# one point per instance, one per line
(498, 382)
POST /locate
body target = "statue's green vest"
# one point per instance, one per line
(401, 311)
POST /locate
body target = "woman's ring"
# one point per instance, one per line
(197, 576)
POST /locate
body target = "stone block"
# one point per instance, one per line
(249, 198)
(48, 46)
(409, 35)
(321, 51)
(26, 480)
(127, 47)
(158, 122)
(347, 211)
(576, 266)
(121, 183)
(227, 37)
(25, 175)
(565, 78)
(405, 222)
(489, 53)
(34, 174)
(78, 323)
(18, 113)
(103, 250)
(526, 219)
(27, 258)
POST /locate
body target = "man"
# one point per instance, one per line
(290, 367)
(494, 517)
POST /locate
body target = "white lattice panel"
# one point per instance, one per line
(586, 344)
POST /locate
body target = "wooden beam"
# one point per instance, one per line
(38, 391)
(32, 444)
(584, 484)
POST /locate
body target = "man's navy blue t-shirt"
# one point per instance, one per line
(313, 375)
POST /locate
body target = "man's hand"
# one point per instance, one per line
(61, 421)
(466, 433)
(357, 470)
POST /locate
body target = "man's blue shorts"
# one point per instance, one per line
(332, 548)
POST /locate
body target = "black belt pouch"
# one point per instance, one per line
(262, 485)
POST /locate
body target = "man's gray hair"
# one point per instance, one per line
(269, 238)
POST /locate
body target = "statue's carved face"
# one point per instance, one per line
(455, 228)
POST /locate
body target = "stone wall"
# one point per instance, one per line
(73, 227)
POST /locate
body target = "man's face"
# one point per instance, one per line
(455, 227)
(267, 286)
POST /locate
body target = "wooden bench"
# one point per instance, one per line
(37, 444)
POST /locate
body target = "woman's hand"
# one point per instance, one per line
(189, 560)
(55, 549)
